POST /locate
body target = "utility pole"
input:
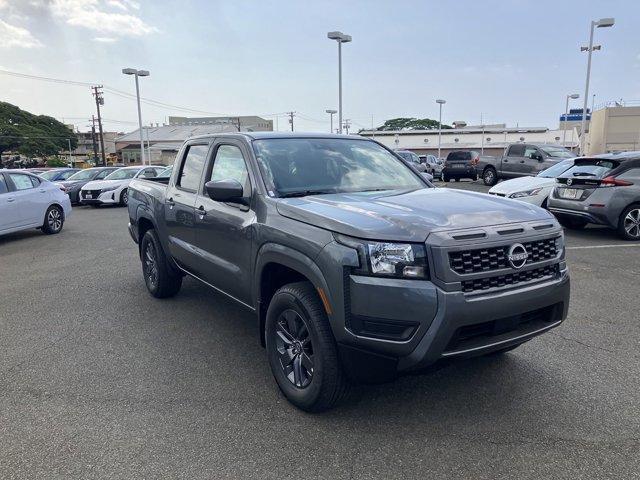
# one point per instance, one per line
(238, 123)
(291, 115)
(347, 125)
(93, 139)
(97, 93)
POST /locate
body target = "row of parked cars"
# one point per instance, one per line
(42, 198)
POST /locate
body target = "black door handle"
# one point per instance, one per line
(521, 161)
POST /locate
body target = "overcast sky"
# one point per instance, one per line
(511, 61)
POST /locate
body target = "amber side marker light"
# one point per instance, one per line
(325, 301)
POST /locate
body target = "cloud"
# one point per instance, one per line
(94, 15)
(105, 39)
(13, 36)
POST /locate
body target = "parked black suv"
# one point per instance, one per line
(460, 164)
(356, 268)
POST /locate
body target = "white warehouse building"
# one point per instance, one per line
(488, 139)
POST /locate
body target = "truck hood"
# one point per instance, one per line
(522, 184)
(406, 216)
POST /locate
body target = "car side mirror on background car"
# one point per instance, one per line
(225, 191)
(538, 156)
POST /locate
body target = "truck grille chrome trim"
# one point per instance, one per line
(495, 258)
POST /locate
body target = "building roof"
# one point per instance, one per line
(174, 133)
(455, 131)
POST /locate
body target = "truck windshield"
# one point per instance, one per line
(308, 166)
(557, 152)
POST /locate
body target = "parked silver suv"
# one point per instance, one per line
(604, 190)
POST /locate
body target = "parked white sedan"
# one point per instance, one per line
(27, 201)
(535, 190)
(113, 189)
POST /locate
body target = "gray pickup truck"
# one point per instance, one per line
(356, 267)
(520, 160)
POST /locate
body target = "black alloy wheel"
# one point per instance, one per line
(295, 348)
(150, 266)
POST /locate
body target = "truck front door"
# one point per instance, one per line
(224, 230)
(513, 161)
(179, 208)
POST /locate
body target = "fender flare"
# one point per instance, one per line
(293, 259)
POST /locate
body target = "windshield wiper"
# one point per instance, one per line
(305, 193)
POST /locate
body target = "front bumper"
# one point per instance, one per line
(466, 172)
(387, 326)
(105, 198)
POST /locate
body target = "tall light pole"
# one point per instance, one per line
(138, 73)
(340, 38)
(572, 96)
(331, 112)
(602, 23)
(440, 102)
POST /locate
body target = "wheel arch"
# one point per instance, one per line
(278, 265)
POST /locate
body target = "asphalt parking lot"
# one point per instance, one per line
(100, 380)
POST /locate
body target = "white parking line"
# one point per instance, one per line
(604, 246)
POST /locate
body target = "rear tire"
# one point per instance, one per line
(629, 223)
(302, 351)
(490, 176)
(53, 220)
(573, 223)
(160, 276)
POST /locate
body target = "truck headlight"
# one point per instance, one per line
(526, 193)
(401, 260)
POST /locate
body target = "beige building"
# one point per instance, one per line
(613, 129)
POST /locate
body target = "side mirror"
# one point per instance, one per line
(539, 157)
(225, 191)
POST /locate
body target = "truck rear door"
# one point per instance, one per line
(180, 199)
(512, 162)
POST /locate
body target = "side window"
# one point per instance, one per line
(516, 151)
(148, 173)
(66, 175)
(229, 165)
(22, 182)
(3, 185)
(103, 174)
(35, 181)
(191, 169)
(530, 151)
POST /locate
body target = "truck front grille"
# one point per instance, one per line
(547, 272)
(495, 258)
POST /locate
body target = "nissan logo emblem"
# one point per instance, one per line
(569, 181)
(517, 256)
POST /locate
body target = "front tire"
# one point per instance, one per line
(124, 197)
(160, 276)
(629, 223)
(302, 351)
(53, 220)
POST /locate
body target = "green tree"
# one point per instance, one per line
(56, 162)
(32, 135)
(404, 123)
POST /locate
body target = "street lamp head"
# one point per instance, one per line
(440, 101)
(574, 96)
(143, 73)
(605, 22)
(331, 111)
(339, 36)
(129, 71)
